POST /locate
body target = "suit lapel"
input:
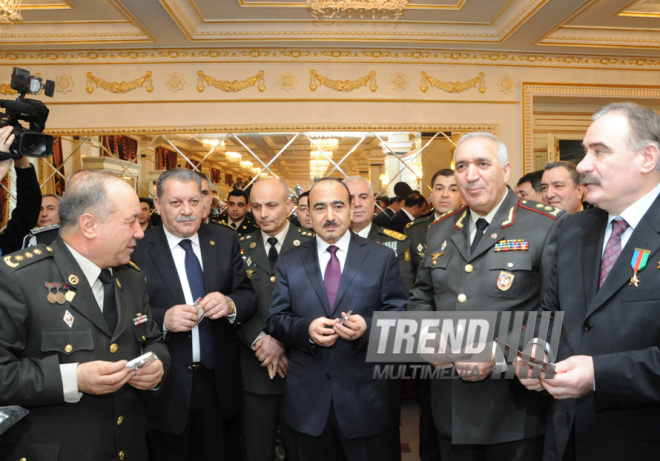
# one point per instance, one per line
(645, 236)
(310, 262)
(123, 301)
(357, 254)
(289, 238)
(591, 255)
(161, 255)
(209, 266)
(259, 255)
(84, 301)
(461, 238)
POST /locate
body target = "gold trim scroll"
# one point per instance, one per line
(453, 87)
(7, 89)
(342, 85)
(234, 86)
(121, 87)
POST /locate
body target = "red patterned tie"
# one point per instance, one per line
(612, 249)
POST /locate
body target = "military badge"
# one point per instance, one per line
(435, 257)
(68, 318)
(638, 262)
(140, 319)
(443, 246)
(512, 245)
(505, 280)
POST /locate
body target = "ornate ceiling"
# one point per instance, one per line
(603, 27)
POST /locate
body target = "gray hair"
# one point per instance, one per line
(644, 123)
(502, 154)
(87, 194)
(351, 179)
(178, 174)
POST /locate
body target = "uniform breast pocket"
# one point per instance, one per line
(70, 344)
(511, 275)
(437, 266)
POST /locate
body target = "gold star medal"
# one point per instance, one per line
(638, 262)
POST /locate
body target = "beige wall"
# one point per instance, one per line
(287, 102)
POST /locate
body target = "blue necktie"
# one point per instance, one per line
(196, 282)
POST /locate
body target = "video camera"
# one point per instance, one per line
(27, 142)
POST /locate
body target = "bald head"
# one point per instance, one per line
(271, 205)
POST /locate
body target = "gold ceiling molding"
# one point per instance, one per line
(234, 86)
(342, 85)
(64, 83)
(453, 87)
(274, 128)
(121, 87)
(243, 55)
(505, 84)
(532, 90)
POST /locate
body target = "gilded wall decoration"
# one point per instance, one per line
(287, 81)
(453, 87)
(234, 86)
(399, 81)
(342, 85)
(505, 84)
(5, 88)
(64, 83)
(121, 87)
(175, 82)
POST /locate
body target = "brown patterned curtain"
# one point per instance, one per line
(165, 159)
(122, 147)
(216, 176)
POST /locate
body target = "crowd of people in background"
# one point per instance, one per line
(258, 307)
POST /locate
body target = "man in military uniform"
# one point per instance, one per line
(72, 315)
(493, 255)
(236, 214)
(362, 197)
(444, 198)
(263, 360)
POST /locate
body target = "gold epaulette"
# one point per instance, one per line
(28, 255)
(394, 234)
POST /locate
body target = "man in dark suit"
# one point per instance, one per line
(263, 360)
(468, 266)
(413, 207)
(383, 219)
(607, 386)
(183, 260)
(72, 315)
(332, 401)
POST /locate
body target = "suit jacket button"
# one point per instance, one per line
(462, 298)
(120, 420)
(113, 348)
(586, 326)
(469, 268)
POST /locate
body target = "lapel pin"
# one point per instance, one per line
(638, 262)
(73, 279)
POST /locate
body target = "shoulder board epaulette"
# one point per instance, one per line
(410, 224)
(134, 266)
(39, 230)
(422, 220)
(542, 208)
(448, 214)
(394, 234)
(27, 256)
(306, 232)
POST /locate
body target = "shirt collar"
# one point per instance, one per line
(342, 243)
(365, 232)
(173, 240)
(635, 212)
(491, 214)
(89, 269)
(280, 237)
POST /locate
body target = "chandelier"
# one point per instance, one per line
(325, 144)
(382, 9)
(246, 165)
(318, 163)
(256, 171)
(10, 10)
(208, 143)
(233, 157)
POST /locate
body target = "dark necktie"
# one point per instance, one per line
(198, 290)
(233, 226)
(109, 303)
(481, 224)
(332, 277)
(272, 252)
(612, 248)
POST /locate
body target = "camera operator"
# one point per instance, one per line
(28, 196)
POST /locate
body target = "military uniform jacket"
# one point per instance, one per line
(36, 336)
(401, 247)
(491, 279)
(416, 233)
(262, 277)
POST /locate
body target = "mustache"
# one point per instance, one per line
(330, 224)
(590, 179)
(186, 218)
